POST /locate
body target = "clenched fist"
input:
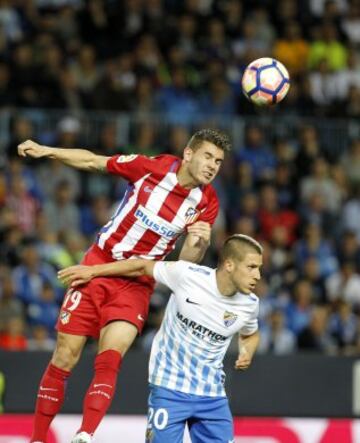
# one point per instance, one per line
(32, 149)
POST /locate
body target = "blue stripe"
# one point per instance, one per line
(125, 199)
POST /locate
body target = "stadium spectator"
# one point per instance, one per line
(275, 337)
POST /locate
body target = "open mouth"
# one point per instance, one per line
(208, 175)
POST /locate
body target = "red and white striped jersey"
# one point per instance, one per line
(155, 209)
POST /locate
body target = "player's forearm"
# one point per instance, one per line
(193, 249)
(249, 343)
(126, 268)
(77, 158)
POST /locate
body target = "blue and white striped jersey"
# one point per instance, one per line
(188, 351)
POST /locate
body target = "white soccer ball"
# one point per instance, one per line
(265, 81)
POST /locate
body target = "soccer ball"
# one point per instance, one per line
(265, 81)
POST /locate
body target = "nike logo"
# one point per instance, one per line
(192, 302)
(102, 384)
(47, 389)
(140, 317)
(148, 189)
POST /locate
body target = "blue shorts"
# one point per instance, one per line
(208, 418)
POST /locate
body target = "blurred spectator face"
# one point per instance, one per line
(279, 236)
(63, 193)
(349, 243)
(269, 199)
(216, 32)
(108, 139)
(23, 129)
(347, 270)
(18, 187)
(254, 137)
(313, 233)
(144, 88)
(101, 209)
(74, 242)
(47, 294)
(308, 136)
(146, 137)
(276, 321)
(87, 57)
(292, 31)
(316, 203)
(312, 269)
(30, 256)
(303, 293)
(187, 26)
(355, 150)
(179, 79)
(7, 289)
(39, 333)
(176, 56)
(15, 326)
(318, 320)
(249, 204)
(283, 174)
(23, 55)
(320, 168)
(245, 177)
(219, 90)
(287, 10)
(245, 225)
(178, 138)
(329, 32)
(4, 75)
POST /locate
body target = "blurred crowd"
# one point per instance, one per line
(178, 57)
(181, 59)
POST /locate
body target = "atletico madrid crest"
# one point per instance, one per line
(191, 215)
(229, 318)
(65, 317)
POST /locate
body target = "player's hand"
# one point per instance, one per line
(76, 275)
(243, 361)
(32, 149)
(201, 230)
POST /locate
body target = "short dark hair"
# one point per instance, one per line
(237, 246)
(214, 136)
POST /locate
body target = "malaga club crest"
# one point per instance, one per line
(229, 318)
(191, 215)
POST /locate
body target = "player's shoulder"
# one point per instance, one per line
(195, 269)
(166, 159)
(253, 298)
(210, 192)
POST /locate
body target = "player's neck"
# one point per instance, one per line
(225, 286)
(185, 179)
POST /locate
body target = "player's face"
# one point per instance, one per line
(246, 273)
(204, 163)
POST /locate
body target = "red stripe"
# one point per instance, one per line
(168, 212)
(128, 222)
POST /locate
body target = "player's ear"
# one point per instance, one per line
(188, 153)
(229, 265)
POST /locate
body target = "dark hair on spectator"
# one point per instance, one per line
(214, 136)
(237, 246)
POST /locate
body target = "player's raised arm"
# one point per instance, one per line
(77, 158)
(80, 274)
(196, 242)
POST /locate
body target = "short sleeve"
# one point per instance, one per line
(131, 167)
(170, 273)
(211, 210)
(252, 325)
